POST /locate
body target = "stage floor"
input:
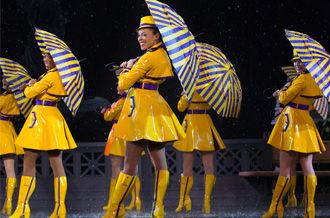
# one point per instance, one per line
(233, 196)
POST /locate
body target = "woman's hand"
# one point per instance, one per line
(276, 93)
(22, 87)
(32, 81)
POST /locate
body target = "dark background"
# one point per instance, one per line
(249, 32)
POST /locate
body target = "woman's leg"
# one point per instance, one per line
(11, 182)
(60, 183)
(27, 184)
(208, 164)
(115, 170)
(186, 181)
(126, 179)
(306, 162)
(282, 184)
(162, 176)
(292, 200)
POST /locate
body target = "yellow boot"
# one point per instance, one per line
(135, 199)
(185, 186)
(292, 200)
(26, 188)
(112, 188)
(209, 183)
(10, 187)
(311, 182)
(303, 200)
(162, 178)
(60, 188)
(281, 188)
(124, 186)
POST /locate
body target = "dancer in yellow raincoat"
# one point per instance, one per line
(201, 136)
(296, 136)
(146, 121)
(44, 130)
(8, 149)
(115, 148)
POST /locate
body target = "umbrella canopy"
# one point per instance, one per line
(179, 42)
(314, 57)
(16, 75)
(67, 65)
(320, 104)
(218, 83)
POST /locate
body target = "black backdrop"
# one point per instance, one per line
(249, 32)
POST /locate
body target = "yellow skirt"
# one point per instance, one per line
(7, 139)
(114, 146)
(146, 115)
(200, 134)
(295, 130)
(45, 129)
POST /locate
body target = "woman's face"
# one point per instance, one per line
(299, 66)
(5, 84)
(48, 61)
(147, 38)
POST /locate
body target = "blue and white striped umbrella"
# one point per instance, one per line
(315, 58)
(67, 65)
(16, 75)
(179, 42)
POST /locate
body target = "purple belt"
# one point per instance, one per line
(148, 86)
(114, 121)
(4, 118)
(197, 111)
(46, 103)
(298, 106)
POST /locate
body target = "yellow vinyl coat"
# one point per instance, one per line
(200, 130)
(146, 114)
(115, 145)
(45, 128)
(295, 129)
(8, 108)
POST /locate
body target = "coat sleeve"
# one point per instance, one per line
(38, 88)
(114, 110)
(183, 103)
(138, 71)
(288, 95)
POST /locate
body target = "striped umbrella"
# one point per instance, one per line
(67, 65)
(16, 75)
(179, 42)
(218, 83)
(315, 58)
(320, 104)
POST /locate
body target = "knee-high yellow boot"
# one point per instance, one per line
(111, 189)
(26, 188)
(124, 186)
(281, 188)
(209, 183)
(292, 200)
(10, 187)
(303, 200)
(311, 187)
(162, 178)
(135, 194)
(186, 184)
(60, 188)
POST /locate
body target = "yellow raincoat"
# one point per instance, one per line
(146, 114)
(45, 128)
(8, 109)
(114, 146)
(198, 125)
(295, 129)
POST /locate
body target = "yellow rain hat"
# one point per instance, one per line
(147, 22)
(295, 56)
